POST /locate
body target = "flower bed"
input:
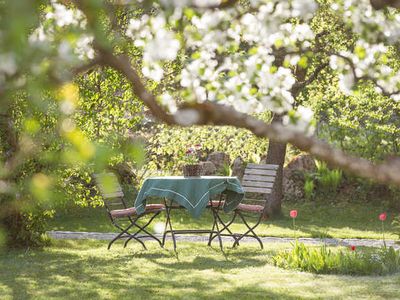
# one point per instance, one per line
(323, 260)
(354, 261)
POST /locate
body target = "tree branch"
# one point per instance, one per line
(210, 113)
(298, 86)
(380, 4)
(365, 77)
(122, 64)
(87, 67)
(222, 4)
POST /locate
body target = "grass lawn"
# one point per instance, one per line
(85, 269)
(340, 221)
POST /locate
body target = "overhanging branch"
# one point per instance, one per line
(380, 4)
(210, 113)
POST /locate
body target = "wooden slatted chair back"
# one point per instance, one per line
(111, 191)
(258, 179)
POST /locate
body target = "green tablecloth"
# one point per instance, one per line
(191, 192)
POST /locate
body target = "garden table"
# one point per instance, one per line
(192, 193)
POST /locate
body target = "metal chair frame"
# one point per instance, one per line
(258, 178)
(131, 218)
(125, 232)
(217, 219)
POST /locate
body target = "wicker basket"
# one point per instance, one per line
(191, 170)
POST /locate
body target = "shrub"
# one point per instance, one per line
(323, 260)
(309, 189)
(328, 180)
(396, 225)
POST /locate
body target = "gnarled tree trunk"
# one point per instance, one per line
(275, 155)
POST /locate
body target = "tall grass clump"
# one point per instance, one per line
(324, 260)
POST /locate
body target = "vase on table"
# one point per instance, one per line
(193, 170)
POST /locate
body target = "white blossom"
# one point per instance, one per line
(346, 82)
(162, 47)
(84, 48)
(168, 101)
(153, 71)
(187, 117)
(300, 120)
(304, 8)
(216, 66)
(64, 16)
(8, 65)
(38, 35)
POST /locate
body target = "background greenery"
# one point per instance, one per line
(109, 127)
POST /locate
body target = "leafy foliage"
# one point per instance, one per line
(323, 260)
(167, 145)
(309, 189)
(107, 109)
(57, 128)
(365, 124)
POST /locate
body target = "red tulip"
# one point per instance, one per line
(352, 248)
(293, 214)
(382, 216)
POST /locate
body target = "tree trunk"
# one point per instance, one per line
(276, 156)
(10, 217)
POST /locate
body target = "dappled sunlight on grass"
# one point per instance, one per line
(76, 269)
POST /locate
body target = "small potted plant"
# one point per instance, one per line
(191, 165)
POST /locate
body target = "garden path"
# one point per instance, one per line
(201, 238)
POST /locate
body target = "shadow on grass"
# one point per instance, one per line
(70, 271)
(85, 269)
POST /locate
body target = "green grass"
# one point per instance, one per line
(340, 221)
(85, 269)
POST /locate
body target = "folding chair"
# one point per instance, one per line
(123, 217)
(258, 179)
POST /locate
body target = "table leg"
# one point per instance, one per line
(225, 226)
(168, 224)
(214, 232)
(215, 215)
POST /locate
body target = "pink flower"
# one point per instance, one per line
(197, 146)
(293, 214)
(382, 216)
(352, 248)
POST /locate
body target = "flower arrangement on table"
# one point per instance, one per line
(191, 159)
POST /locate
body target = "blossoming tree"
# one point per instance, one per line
(236, 58)
(261, 56)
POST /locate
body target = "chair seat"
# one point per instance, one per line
(131, 211)
(250, 208)
(215, 203)
(243, 207)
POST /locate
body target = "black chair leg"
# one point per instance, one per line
(168, 224)
(212, 231)
(250, 230)
(143, 228)
(123, 232)
(218, 232)
(225, 227)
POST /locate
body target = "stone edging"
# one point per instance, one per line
(77, 235)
